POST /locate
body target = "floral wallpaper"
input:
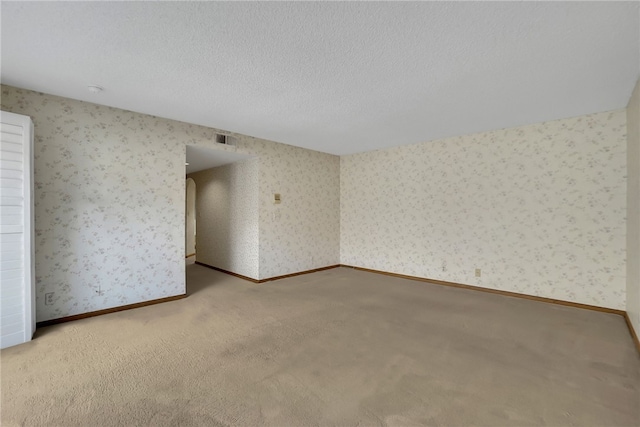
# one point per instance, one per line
(110, 207)
(539, 209)
(109, 203)
(300, 233)
(633, 208)
(227, 229)
(303, 231)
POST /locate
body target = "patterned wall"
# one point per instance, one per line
(303, 231)
(633, 208)
(108, 226)
(539, 209)
(109, 203)
(299, 234)
(227, 217)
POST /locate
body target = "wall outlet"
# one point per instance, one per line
(48, 298)
(478, 272)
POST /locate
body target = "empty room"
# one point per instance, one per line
(320, 213)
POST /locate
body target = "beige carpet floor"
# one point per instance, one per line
(337, 347)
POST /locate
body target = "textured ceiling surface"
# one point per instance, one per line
(338, 77)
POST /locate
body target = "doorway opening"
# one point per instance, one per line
(221, 214)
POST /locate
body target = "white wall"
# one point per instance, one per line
(539, 209)
(633, 208)
(227, 217)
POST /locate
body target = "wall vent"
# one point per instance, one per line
(221, 139)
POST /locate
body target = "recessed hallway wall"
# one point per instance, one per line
(228, 215)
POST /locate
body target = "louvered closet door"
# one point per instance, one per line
(17, 315)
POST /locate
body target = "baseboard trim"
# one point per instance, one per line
(107, 311)
(315, 270)
(190, 255)
(632, 331)
(270, 279)
(494, 291)
(228, 272)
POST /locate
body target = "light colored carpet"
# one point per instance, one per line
(337, 347)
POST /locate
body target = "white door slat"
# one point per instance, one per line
(17, 291)
(11, 192)
(10, 155)
(10, 210)
(11, 264)
(13, 253)
(14, 326)
(6, 127)
(11, 201)
(11, 229)
(11, 219)
(12, 306)
(11, 183)
(13, 292)
(11, 165)
(11, 339)
(10, 284)
(10, 238)
(11, 173)
(11, 138)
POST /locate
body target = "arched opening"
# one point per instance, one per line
(190, 222)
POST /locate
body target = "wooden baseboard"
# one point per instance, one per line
(270, 278)
(190, 255)
(228, 272)
(107, 311)
(632, 331)
(329, 267)
(495, 291)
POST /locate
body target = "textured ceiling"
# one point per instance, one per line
(339, 77)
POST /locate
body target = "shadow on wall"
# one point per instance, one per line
(190, 220)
